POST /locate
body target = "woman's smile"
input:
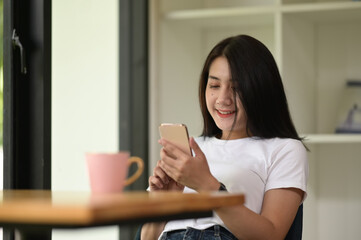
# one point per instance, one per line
(225, 113)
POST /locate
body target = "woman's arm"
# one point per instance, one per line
(152, 231)
(278, 212)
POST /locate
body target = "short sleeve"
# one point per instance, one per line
(288, 167)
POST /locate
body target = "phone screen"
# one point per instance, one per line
(177, 134)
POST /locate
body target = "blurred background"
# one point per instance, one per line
(120, 68)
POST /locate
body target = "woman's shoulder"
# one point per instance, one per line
(289, 143)
(284, 144)
(285, 141)
(288, 148)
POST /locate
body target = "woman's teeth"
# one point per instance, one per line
(228, 112)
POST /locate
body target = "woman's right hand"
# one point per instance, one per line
(161, 181)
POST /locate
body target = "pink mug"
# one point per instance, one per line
(108, 171)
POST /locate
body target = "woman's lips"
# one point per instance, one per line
(225, 113)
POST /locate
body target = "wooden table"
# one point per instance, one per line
(30, 211)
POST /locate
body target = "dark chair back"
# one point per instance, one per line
(137, 234)
(295, 232)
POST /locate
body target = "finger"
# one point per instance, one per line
(169, 164)
(197, 150)
(169, 169)
(164, 153)
(171, 149)
(158, 172)
(155, 183)
(168, 158)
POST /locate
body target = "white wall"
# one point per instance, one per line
(84, 95)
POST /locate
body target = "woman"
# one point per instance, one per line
(249, 144)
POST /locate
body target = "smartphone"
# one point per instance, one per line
(176, 133)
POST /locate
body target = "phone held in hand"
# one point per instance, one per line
(176, 133)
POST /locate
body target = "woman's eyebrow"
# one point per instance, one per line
(213, 77)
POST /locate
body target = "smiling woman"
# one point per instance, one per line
(249, 144)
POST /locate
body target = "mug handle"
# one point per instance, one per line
(139, 171)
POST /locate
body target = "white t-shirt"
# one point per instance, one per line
(251, 166)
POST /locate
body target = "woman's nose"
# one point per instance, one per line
(225, 97)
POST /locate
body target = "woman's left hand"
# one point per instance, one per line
(185, 169)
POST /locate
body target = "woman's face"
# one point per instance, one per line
(221, 103)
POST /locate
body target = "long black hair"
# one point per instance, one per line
(259, 87)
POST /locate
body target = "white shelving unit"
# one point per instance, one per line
(317, 45)
(332, 138)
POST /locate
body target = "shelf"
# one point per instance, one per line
(264, 15)
(218, 12)
(325, 12)
(331, 138)
(208, 17)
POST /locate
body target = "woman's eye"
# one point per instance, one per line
(213, 86)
